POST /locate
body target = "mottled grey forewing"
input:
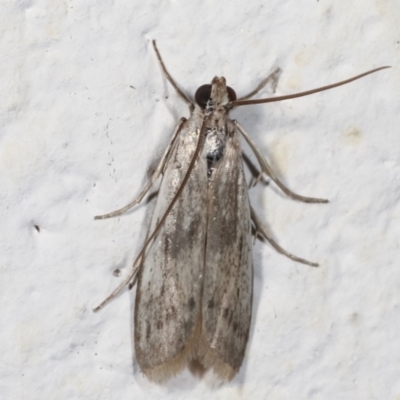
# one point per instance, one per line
(170, 280)
(228, 280)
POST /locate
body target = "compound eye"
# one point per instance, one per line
(231, 94)
(203, 95)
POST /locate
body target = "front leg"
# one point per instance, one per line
(153, 178)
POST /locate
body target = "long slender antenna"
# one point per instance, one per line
(169, 78)
(306, 93)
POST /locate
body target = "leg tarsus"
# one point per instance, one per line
(261, 230)
(128, 206)
(117, 291)
(153, 178)
(265, 167)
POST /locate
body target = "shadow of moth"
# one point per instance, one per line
(195, 272)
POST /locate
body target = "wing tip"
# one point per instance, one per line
(172, 367)
(197, 349)
(224, 371)
(210, 361)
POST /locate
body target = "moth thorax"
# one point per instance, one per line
(214, 146)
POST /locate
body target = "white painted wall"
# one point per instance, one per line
(77, 140)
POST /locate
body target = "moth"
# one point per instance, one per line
(195, 271)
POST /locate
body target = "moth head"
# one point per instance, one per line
(215, 95)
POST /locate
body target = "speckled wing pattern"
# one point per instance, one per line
(228, 285)
(194, 292)
(170, 281)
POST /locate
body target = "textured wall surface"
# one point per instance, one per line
(85, 112)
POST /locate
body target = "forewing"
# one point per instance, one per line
(170, 280)
(228, 281)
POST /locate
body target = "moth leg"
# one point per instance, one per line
(171, 81)
(138, 262)
(265, 167)
(257, 180)
(256, 234)
(153, 178)
(273, 77)
(117, 291)
(256, 175)
(261, 230)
